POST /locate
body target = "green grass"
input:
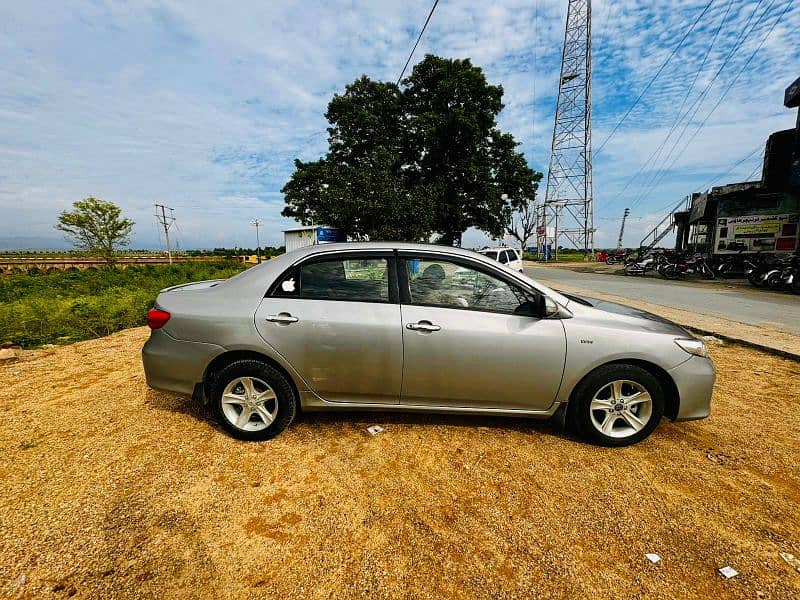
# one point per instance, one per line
(563, 256)
(68, 306)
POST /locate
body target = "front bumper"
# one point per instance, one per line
(694, 379)
(176, 365)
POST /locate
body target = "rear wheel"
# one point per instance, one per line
(252, 400)
(616, 405)
(774, 280)
(671, 272)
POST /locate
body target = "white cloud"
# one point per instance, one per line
(203, 106)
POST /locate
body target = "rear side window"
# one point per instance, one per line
(492, 255)
(354, 279)
(503, 257)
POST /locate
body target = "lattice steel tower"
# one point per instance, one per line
(567, 210)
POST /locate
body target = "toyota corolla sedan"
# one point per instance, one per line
(419, 328)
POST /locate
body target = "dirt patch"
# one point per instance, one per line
(113, 490)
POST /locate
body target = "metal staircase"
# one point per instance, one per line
(661, 230)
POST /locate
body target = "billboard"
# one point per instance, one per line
(757, 233)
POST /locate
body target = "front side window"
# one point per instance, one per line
(365, 280)
(435, 282)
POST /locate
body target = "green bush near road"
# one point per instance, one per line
(68, 306)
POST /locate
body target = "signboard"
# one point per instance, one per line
(756, 233)
(698, 208)
(792, 97)
(328, 234)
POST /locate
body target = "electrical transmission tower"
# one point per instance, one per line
(166, 222)
(567, 209)
(622, 228)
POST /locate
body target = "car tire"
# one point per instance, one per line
(632, 416)
(269, 404)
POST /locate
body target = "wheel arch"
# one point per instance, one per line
(672, 399)
(226, 358)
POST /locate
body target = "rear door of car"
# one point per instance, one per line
(336, 318)
(463, 345)
(514, 260)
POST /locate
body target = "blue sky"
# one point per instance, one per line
(203, 106)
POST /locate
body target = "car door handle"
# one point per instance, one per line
(282, 318)
(423, 326)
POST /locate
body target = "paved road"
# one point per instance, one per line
(737, 303)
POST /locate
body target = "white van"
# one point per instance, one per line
(508, 256)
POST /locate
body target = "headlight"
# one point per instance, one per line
(696, 347)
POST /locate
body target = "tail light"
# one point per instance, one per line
(157, 318)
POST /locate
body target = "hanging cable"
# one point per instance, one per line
(652, 80)
(678, 115)
(744, 34)
(430, 14)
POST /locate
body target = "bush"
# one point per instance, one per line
(68, 306)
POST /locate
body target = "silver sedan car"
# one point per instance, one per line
(407, 327)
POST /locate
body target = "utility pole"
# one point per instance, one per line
(166, 222)
(569, 177)
(257, 223)
(622, 228)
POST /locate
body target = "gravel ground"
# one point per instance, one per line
(112, 490)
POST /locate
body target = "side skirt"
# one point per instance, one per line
(310, 402)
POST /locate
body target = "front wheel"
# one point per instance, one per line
(616, 405)
(252, 400)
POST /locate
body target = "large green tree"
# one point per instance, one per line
(405, 163)
(95, 225)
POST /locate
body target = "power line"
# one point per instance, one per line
(678, 115)
(425, 26)
(758, 168)
(744, 34)
(660, 69)
(734, 80)
(730, 169)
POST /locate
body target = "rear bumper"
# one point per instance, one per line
(176, 365)
(695, 382)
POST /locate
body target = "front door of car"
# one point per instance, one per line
(336, 320)
(466, 345)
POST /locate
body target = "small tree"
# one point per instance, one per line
(96, 226)
(522, 223)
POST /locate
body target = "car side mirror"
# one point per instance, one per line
(540, 306)
(550, 306)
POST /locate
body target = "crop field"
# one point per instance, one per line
(114, 490)
(68, 306)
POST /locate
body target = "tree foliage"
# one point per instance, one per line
(95, 225)
(403, 164)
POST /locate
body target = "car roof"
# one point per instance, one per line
(360, 246)
(497, 249)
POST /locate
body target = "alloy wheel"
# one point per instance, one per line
(621, 408)
(249, 404)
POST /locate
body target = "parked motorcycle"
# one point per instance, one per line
(617, 257)
(696, 265)
(640, 267)
(784, 274)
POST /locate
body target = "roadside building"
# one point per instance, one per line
(752, 216)
(309, 235)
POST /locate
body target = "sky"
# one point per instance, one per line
(203, 106)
